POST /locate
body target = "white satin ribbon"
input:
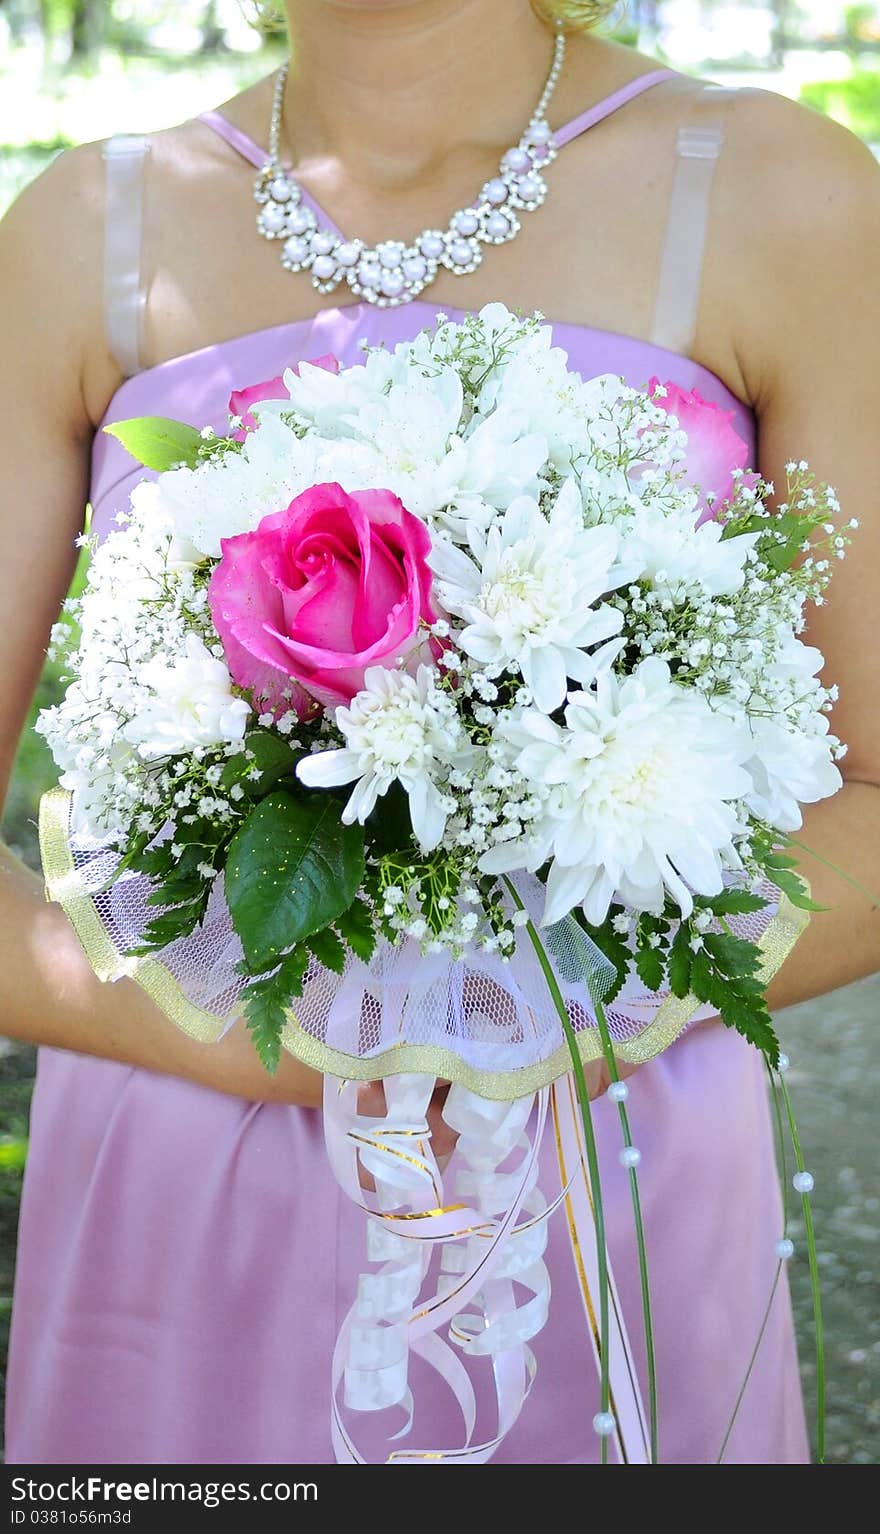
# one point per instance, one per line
(491, 1234)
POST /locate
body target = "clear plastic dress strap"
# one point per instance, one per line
(124, 158)
(681, 266)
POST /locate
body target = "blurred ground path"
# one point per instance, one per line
(833, 1044)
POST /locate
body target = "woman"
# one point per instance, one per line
(183, 1251)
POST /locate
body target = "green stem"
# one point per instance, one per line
(814, 1279)
(780, 1143)
(748, 1375)
(783, 1167)
(791, 841)
(611, 1063)
(592, 1159)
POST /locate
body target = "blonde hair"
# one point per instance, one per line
(574, 15)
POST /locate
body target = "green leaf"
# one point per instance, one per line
(650, 966)
(701, 975)
(723, 974)
(719, 990)
(174, 892)
(743, 524)
(750, 1017)
(155, 862)
(649, 923)
(328, 949)
(679, 967)
(292, 869)
(614, 948)
(734, 957)
(732, 902)
(157, 442)
(781, 556)
(792, 885)
(173, 923)
(355, 927)
(389, 828)
(266, 1002)
(274, 757)
(265, 1019)
(782, 536)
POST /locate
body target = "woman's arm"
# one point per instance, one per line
(49, 994)
(798, 250)
(55, 378)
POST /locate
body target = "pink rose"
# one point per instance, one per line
(714, 450)
(240, 400)
(321, 591)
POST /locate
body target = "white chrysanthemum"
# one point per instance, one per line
(576, 416)
(413, 420)
(186, 700)
(483, 345)
(413, 437)
(497, 460)
(792, 750)
(663, 546)
(488, 468)
(331, 402)
(528, 602)
(643, 780)
(396, 426)
(507, 334)
(398, 729)
(232, 494)
(465, 520)
(788, 769)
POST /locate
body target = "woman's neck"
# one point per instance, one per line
(387, 88)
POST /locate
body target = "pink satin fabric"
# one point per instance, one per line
(185, 1258)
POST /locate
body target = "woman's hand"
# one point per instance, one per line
(598, 1077)
(371, 1102)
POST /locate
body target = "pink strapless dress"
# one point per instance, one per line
(184, 1256)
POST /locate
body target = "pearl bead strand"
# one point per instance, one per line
(393, 272)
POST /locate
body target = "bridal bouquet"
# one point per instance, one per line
(432, 665)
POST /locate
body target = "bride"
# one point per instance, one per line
(184, 1251)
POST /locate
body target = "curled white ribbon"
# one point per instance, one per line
(483, 1255)
(492, 1234)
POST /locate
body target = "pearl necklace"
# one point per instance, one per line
(393, 272)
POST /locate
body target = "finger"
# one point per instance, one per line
(371, 1099)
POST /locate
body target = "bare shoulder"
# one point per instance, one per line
(795, 180)
(179, 149)
(57, 217)
(784, 157)
(189, 166)
(71, 184)
(52, 255)
(51, 263)
(796, 232)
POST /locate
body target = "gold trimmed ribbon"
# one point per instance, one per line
(389, 1319)
(65, 885)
